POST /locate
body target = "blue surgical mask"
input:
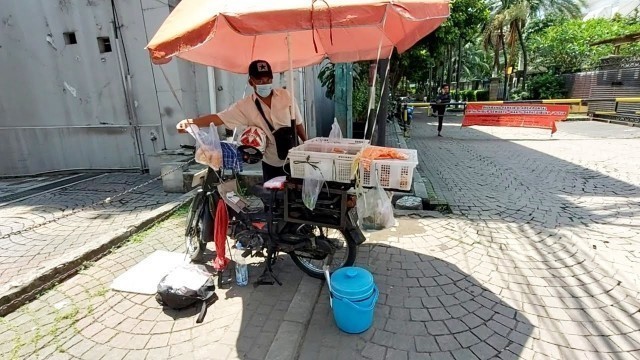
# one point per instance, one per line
(264, 90)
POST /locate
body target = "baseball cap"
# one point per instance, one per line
(260, 68)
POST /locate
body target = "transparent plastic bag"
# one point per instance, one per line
(375, 210)
(311, 187)
(208, 148)
(336, 132)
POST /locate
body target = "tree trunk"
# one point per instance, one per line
(523, 47)
(450, 64)
(381, 121)
(506, 67)
(430, 84)
(458, 69)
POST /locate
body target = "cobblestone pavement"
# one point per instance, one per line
(540, 258)
(12, 186)
(22, 253)
(83, 319)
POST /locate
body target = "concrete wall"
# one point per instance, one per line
(65, 106)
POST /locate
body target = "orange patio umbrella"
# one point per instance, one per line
(229, 34)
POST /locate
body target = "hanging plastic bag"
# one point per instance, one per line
(332, 146)
(375, 210)
(336, 132)
(311, 186)
(208, 148)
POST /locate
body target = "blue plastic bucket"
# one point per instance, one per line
(354, 299)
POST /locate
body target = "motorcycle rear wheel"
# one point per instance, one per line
(345, 256)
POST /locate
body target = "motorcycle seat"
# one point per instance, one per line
(277, 183)
(265, 194)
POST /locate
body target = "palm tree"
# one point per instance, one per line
(513, 15)
(476, 63)
(493, 37)
(516, 16)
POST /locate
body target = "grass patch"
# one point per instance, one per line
(85, 265)
(444, 208)
(101, 292)
(70, 315)
(17, 346)
(181, 211)
(178, 213)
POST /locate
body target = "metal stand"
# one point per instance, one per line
(268, 277)
(222, 282)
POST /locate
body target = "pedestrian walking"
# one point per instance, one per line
(443, 98)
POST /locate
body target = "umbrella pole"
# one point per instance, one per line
(292, 92)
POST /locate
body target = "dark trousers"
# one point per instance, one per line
(440, 119)
(269, 172)
(440, 111)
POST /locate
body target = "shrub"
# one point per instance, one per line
(471, 95)
(519, 94)
(546, 86)
(482, 95)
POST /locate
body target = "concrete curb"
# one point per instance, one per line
(417, 213)
(16, 294)
(289, 337)
(419, 189)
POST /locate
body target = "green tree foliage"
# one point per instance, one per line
(476, 62)
(464, 21)
(564, 46)
(546, 86)
(327, 77)
(360, 95)
(434, 53)
(505, 32)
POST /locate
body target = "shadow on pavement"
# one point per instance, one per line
(560, 235)
(428, 309)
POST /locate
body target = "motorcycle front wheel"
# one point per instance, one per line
(199, 228)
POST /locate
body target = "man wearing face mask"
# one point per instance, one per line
(267, 109)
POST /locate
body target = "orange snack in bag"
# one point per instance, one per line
(379, 153)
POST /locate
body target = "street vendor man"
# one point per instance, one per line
(267, 108)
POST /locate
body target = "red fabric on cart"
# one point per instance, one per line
(220, 236)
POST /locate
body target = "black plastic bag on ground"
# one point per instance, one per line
(186, 286)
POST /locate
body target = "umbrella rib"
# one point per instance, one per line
(253, 47)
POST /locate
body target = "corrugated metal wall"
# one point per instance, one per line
(62, 100)
(63, 103)
(599, 84)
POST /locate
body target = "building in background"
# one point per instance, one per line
(609, 8)
(78, 90)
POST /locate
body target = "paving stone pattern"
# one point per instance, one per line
(540, 259)
(22, 253)
(83, 319)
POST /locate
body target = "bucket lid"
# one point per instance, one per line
(352, 283)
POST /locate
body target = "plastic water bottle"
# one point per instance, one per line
(242, 272)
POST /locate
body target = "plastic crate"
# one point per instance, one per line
(392, 174)
(333, 160)
(326, 140)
